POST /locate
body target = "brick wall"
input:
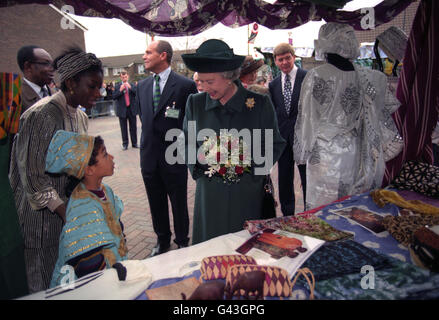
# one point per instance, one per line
(35, 24)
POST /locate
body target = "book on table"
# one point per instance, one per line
(280, 248)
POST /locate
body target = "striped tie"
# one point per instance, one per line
(156, 97)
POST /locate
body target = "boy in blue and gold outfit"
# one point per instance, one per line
(92, 238)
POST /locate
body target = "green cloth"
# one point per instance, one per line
(221, 208)
(13, 281)
(10, 233)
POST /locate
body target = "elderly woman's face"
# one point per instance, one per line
(214, 84)
(87, 89)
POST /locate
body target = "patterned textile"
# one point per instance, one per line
(343, 131)
(216, 267)
(91, 223)
(73, 63)
(400, 281)
(402, 228)
(34, 189)
(417, 89)
(189, 17)
(383, 242)
(305, 224)
(343, 257)
(338, 38)
(420, 177)
(69, 153)
(10, 103)
(277, 282)
(393, 41)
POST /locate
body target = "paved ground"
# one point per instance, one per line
(127, 183)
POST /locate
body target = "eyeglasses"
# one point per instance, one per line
(43, 63)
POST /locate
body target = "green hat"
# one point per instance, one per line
(69, 152)
(213, 55)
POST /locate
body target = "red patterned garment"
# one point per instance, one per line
(417, 90)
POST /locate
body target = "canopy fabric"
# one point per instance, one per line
(190, 17)
(418, 90)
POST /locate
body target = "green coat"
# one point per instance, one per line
(222, 208)
(13, 281)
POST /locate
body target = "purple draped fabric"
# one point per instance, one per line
(189, 17)
(418, 90)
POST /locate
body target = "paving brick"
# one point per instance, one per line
(128, 185)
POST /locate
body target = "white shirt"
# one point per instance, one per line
(34, 86)
(164, 75)
(292, 74)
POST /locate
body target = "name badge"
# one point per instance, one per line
(172, 112)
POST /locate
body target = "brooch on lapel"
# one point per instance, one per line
(250, 103)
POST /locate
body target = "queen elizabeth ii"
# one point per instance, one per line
(227, 192)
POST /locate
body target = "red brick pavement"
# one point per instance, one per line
(127, 183)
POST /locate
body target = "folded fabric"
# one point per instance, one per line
(402, 228)
(277, 282)
(343, 257)
(305, 224)
(418, 176)
(382, 197)
(217, 267)
(400, 281)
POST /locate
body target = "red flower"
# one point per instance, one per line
(222, 171)
(239, 170)
(241, 157)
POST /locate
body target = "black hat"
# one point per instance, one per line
(212, 55)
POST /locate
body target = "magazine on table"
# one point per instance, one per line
(367, 219)
(280, 248)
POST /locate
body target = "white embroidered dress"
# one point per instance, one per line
(344, 132)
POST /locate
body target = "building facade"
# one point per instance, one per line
(34, 24)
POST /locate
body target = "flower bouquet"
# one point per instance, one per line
(227, 157)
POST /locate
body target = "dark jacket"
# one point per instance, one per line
(286, 122)
(155, 125)
(119, 98)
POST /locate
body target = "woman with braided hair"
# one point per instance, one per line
(40, 197)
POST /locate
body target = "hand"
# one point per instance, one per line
(127, 85)
(61, 212)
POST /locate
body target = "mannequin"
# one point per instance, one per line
(339, 62)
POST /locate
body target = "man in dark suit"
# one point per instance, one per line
(38, 72)
(161, 101)
(124, 95)
(285, 92)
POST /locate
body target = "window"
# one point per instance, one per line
(105, 72)
(116, 71)
(141, 69)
